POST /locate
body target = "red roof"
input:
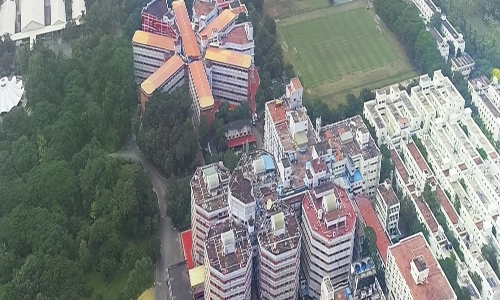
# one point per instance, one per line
(240, 141)
(370, 219)
(187, 244)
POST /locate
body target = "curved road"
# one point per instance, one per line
(170, 250)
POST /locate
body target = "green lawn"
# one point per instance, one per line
(340, 50)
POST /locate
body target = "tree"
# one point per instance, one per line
(84, 256)
(176, 201)
(230, 160)
(387, 166)
(242, 18)
(436, 21)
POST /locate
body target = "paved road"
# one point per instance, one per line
(170, 250)
(259, 139)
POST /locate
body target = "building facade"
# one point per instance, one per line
(229, 74)
(158, 18)
(387, 208)
(151, 51)
(486, 97)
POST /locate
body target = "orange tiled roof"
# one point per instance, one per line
(154, 40)
(229, 57)
(189, 42)
(220, 23)
(162, 74)
(296, 83)
(199, 77)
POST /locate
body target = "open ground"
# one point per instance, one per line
(338, 50)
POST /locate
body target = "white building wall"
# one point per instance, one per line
(32, 15)
(147, 60)
(57, 12)
(228, 83)
(8, 17)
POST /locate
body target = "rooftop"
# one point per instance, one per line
(189, 42)
(228, 261)
(237, 35)
(491, 107)
(296, 83)
(450, 28)
(426, 212)
(388, 194)
(164, 73)
(279, 238)
(237, 125)
(277, 110)
(203, 7)
(370, 219)
(343, 214)
(341, 138)
(447, 206)
(203, 91)
(209, 186)
(481, 82)
(437, 36)
(463, 61)
(218, 24)
(154, 40)
(400, 167)
(436, 286)
(238, 9)
(419, 159)
(229, 57)
(431, 4)
(157, 8)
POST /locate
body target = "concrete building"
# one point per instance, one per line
(221, 25)
(279, 241)
(328, 229)
(151, 51)
(427, 9)
(327, 290)
(387, 208)
(239, 39)
(463, 64)
(442, 43)
(460, 165)
(228, 261)
(169, 76)
(412, 272)
(229, 74)
(29, 20)
(452, 35)
(190, 49)
(363, 283)
(486, 97)
(204, 12)
(158, 18)
(199, 88)
(208, 204)
(239, 133)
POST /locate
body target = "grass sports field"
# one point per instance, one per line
(341, 49)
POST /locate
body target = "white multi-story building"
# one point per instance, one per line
(208, 204)
(461, 166)
(442, 43)
(151, 51)
(228, 261)
(279, 240)
(427, 8)
(387, 208)
(327, 290)
(413, 272)
(463, 64)
(486, 97)
(452, 35)
(328, 230)
(229, 74)
(169, 76)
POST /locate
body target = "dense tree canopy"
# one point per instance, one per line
(167, 136)
(67, 209)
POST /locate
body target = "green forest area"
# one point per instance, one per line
(76, 223)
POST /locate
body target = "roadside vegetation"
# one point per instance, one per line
(76, 223)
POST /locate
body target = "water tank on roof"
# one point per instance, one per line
(357, 268)
(363, 266)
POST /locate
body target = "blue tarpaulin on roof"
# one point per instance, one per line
(268, 162)
(357, 176)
